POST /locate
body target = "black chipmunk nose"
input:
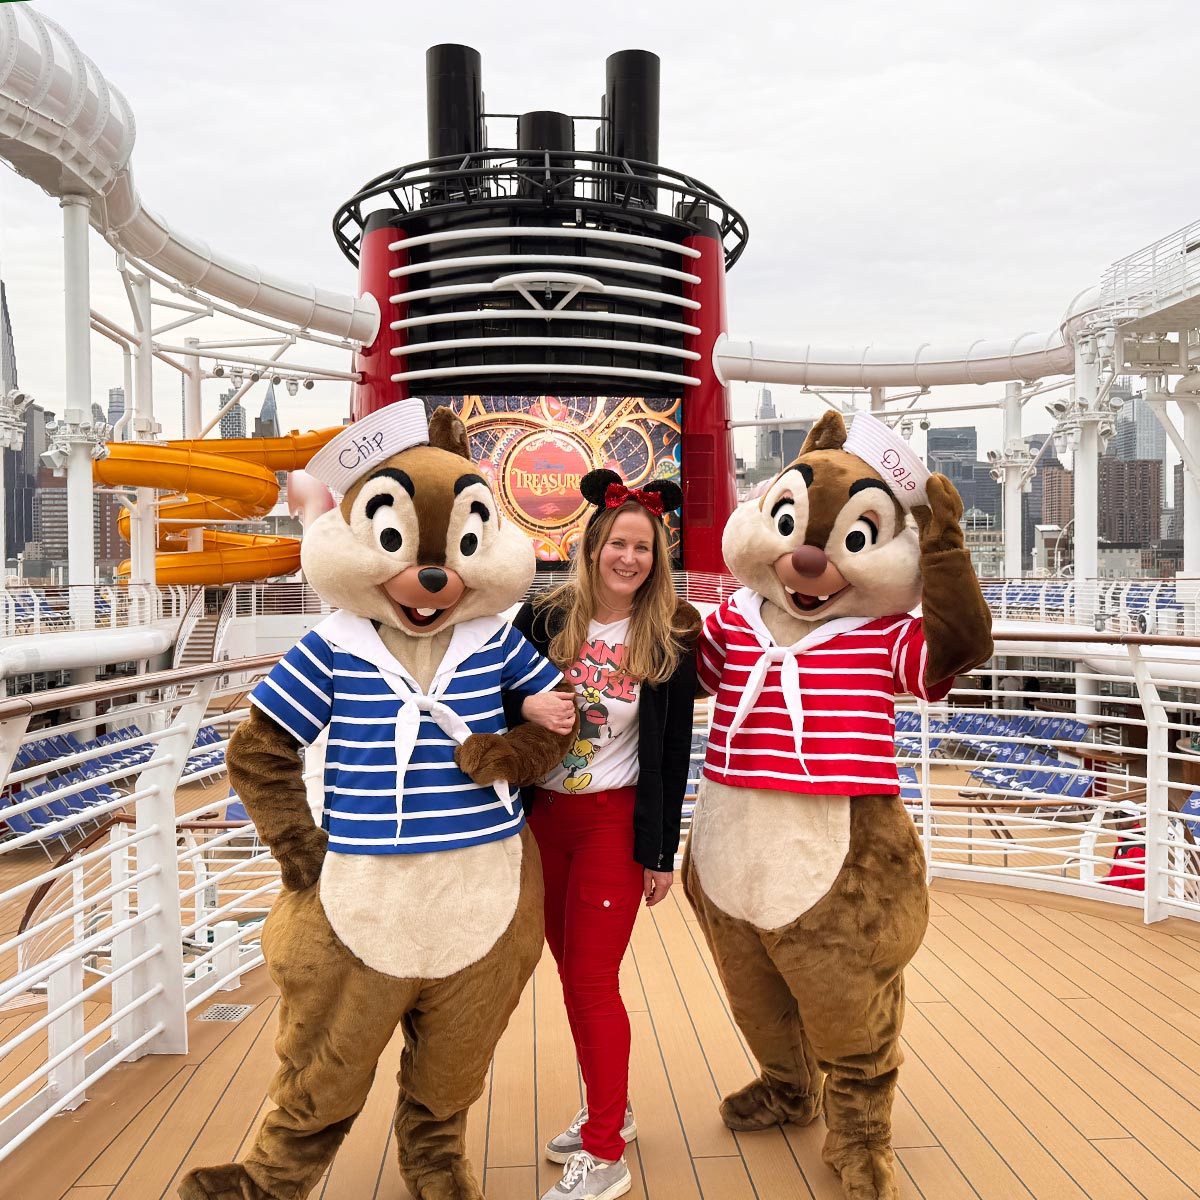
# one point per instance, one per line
(432, 579)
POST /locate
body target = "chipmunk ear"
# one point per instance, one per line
(447, 432)
(595, 484)
(829, 433)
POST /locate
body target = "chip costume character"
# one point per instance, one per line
(803, 867)
(417, 902)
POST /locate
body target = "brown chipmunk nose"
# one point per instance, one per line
(809, 561)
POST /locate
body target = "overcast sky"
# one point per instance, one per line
(912, 172)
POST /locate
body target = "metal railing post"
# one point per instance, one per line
(156, 814)
(1157, 805)
(67, 1030)
(926, 803)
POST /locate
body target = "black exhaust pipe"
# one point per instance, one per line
(454, 97)
(631, 99)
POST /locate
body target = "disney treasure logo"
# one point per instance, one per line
(901, 475)
(361, 449)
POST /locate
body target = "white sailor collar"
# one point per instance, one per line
(358, 636)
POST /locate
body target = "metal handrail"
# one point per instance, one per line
(413, 186)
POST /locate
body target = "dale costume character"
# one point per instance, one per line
(418, 900)
(805, 871)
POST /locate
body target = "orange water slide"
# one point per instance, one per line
(230, 479)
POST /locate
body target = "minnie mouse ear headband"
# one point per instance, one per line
(606, 489)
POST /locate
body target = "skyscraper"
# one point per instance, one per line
(266, 424)
(1130, 500)
(116, 410)
(1139, 434)
(233, 423)
(766, 437)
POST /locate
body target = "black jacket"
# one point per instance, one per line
(664, 742)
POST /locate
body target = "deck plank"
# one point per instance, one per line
(1139, 1166)
(512, 1136)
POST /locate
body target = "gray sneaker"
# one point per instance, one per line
(569, 1142)
(588, 1178)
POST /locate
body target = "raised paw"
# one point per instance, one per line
(939, 520)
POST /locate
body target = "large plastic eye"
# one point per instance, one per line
(386, 525)
(472, 532)
(863, 533)
(784, 516)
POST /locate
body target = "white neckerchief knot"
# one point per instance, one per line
(413, 705)
(787, 659)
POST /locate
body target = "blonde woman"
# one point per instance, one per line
(607, 818)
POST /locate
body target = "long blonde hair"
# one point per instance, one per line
(657, 624)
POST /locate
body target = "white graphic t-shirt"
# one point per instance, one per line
(605, 754)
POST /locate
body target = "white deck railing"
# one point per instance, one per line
(38, 610)
(1038, 773)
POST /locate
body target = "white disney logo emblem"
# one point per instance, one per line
(361, 449)
(898, 471)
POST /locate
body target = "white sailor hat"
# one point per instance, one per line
(884, 449)
(360, 447)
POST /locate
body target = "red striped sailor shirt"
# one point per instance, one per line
(847, 690)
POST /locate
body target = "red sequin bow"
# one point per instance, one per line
(617, 494)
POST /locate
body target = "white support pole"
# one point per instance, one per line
(81, 542)
(878, 399)
(1158, 731)
(192, 418)
(1087, 487)
(81, 547)
(1013, 529)
(143, 430)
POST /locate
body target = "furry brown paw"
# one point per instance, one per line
(939, 521)
(300, 859)
(226, 1182)
(450, 1179)
(486, 758)
(867, 1172)
(760, 1105)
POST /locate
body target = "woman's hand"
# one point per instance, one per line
(655, 885)
(554, 711)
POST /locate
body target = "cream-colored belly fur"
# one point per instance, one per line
(422, 916)
(767, 857)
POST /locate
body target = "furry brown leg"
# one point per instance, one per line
(432, 1154)
(789, 1086)
(859, 1144)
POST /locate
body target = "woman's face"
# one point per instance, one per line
(626, 558)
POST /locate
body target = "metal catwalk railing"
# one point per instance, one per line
(132, 888)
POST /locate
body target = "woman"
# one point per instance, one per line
(607, 819)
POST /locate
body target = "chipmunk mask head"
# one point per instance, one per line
(416, 542)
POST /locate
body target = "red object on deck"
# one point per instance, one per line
(1129, 867)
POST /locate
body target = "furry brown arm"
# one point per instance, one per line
(265, 770)
(523, 756)
(957, 620)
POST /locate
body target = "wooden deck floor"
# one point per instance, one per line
(1053, 1051)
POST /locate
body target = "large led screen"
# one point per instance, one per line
(535, 449)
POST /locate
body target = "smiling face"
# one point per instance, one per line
(418, 545)
(626, 557)
(828, 539)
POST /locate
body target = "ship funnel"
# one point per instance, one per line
(631, 80)
(631, 104)
(454, 95)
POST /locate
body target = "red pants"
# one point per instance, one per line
(593, 889)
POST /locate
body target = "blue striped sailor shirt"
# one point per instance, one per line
(391, 783)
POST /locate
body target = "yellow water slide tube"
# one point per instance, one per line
(213, 480)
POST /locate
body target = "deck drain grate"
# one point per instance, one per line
(226, 1012)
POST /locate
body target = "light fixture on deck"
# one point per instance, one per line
(293, 386)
